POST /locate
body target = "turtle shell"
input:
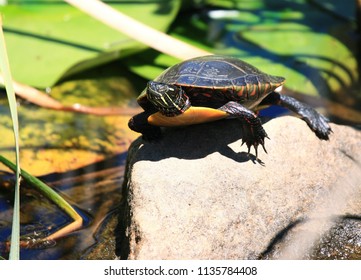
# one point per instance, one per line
(213, 80)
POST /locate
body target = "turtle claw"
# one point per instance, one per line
(264, 148)
(255, 145)
(254, 138)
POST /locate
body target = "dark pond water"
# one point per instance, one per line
(93, 190)
(83, 157)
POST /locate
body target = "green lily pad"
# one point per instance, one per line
(48, 40)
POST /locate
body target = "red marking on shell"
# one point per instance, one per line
(254, 91)
(240, 92)
(259, 88)
(265, 88)
(247, 89)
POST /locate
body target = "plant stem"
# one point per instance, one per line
(137, 30)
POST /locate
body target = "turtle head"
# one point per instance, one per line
(170, 100)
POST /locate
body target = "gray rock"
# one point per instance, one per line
(196, 194)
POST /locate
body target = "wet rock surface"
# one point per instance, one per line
(342, 242)
(196, 194)
(105, 247)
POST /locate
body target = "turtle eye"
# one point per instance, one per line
(160, 89)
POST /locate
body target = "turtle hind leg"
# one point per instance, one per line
(253, 132)
(316, 122)
(139, 123)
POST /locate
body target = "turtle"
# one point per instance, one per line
(214, 87)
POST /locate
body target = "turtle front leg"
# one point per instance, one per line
(254, 134)
(139, 123)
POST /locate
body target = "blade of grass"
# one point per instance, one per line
(52, 196)
(4, 67)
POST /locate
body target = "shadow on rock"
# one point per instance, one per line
(195, 142)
